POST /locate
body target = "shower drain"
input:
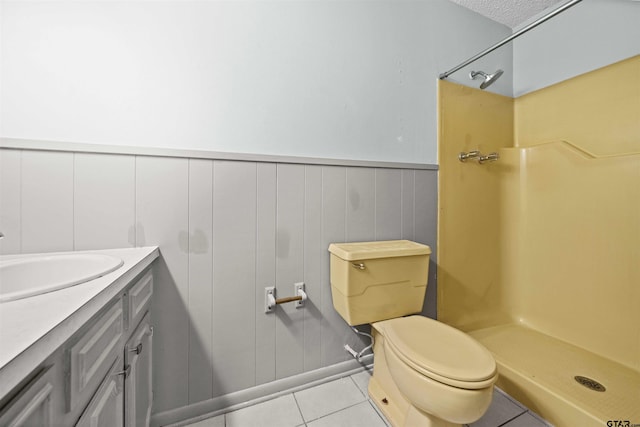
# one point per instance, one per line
(590, 383)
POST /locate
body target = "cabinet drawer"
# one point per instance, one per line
(93, 353)
(139, 298)
(32, 406)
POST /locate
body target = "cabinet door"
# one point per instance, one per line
(89, 358)
(138, 392)
(32, 406)
(106, 408)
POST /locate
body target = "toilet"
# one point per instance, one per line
(425, 373)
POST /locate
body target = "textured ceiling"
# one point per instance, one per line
(509, 12)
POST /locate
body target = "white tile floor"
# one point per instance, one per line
(344, 403)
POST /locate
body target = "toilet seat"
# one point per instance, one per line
(439, 351)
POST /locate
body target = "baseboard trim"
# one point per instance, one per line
(261, 393)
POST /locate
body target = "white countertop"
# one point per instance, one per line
(31, 329)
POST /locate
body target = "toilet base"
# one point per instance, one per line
(385, 394)
(393, 410)
(399, 412)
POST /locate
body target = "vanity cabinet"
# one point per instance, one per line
(106, 408)
(32, 406)
(90, 357)
(138, 393)
(101, 376)
(124, 397)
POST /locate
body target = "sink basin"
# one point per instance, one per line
(26, 277)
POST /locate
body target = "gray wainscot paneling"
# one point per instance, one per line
(226, 230)
(388, 210)
(234, 275)
(162, 218)
(361, 202)
(200, 243)
(46, 201)
(104, 201)
(10, 194)
(313, 256)
(289, 268)
(426, 226)
(334, 206)
(265, 326)
(408, 203)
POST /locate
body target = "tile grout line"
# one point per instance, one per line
(356, 384)
(299, 410)
(511, 399)
(341, 409)
(337, 411)
(378, 412)
(511, 419)
(542, 422)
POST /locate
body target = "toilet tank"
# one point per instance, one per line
(373, 281)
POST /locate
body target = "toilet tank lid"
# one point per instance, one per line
(357, 251)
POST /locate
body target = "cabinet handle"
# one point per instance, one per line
(125, 373)
(137, 349)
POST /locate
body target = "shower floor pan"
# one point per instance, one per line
(539, 371)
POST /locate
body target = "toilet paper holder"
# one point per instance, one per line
(270, 301)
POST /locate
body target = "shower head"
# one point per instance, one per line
(488, 78)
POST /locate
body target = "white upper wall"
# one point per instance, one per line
(587, 36)
(329, 79)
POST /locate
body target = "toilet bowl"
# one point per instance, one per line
(425, 373)
(434, 374)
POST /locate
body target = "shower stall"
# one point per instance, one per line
(539, 250)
